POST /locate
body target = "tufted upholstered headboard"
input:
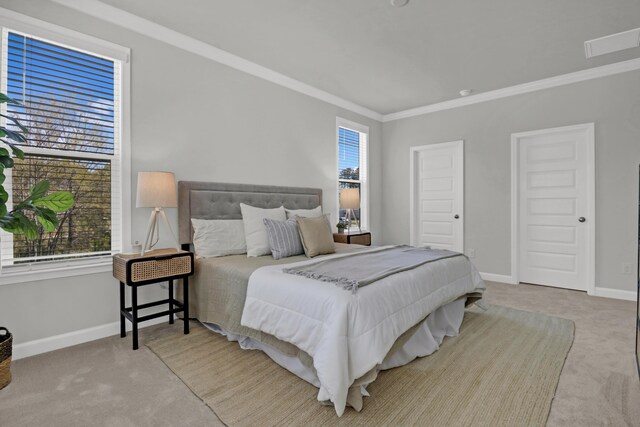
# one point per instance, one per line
(218, 200)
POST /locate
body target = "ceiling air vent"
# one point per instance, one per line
(612, 43)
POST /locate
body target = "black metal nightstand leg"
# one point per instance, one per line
(134, 315)
(123, 331)
(185, 291)
(171, 302)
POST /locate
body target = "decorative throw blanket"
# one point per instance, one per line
(360, 269)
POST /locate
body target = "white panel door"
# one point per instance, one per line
(437, 196)
(554, 206)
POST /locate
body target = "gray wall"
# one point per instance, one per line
(612, 103)
(204, 121)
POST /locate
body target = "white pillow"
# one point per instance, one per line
(255, 232)
(218, 237)
(304, 213)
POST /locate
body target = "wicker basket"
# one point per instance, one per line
(6, 340)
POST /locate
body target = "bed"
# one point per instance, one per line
(335, 339)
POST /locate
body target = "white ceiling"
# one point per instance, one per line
(391, 59)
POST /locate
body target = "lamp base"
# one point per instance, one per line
(349, 213)
(153, 230)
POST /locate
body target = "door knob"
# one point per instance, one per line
(582, 219)
(456, 216)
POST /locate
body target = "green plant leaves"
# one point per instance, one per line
(27, 226)
(43, 206)
(4, 98)
(47, 225)
(16, 136)
(60, 201)
(39, 190)
(16, 151)
(6, 161)
(18, 223)
(17, 123)
(47, 218)
(6, 223)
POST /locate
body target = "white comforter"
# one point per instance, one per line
(349, 334)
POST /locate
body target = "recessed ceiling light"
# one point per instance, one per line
(399, 3)
(465, 92)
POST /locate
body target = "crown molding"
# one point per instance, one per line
(150, 29)
(551, 82)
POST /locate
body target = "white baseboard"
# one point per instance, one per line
(615, 293)
(44, 345)
(500, 278)
(600, 292)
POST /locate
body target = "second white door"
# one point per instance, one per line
(437, 196)
(555, 204)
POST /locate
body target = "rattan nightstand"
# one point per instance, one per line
(353, 238)
(161, 265)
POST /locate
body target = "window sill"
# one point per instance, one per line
(54, 270)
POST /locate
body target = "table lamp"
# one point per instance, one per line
(350, 200)
(156, 190)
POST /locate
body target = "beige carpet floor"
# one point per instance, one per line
(104, 383)
(599, 384)
(502, 370)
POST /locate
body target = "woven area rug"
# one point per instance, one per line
(502, 370)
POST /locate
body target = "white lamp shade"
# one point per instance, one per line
(156, 190)
(350, 198)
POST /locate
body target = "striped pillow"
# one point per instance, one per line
(284, 238)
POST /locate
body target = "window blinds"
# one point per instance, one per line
(68, 95)
(71, 107)
(348, 154)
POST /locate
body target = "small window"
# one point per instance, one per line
(71, 105)
(353, 170)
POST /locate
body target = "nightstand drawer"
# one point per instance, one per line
(151, 266)
(353, 238)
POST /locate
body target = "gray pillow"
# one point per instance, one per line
(284, 238)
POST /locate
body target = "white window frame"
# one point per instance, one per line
(364, 169)
(121, 160)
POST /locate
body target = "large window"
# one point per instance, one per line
(352, 169)
(71, 104)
